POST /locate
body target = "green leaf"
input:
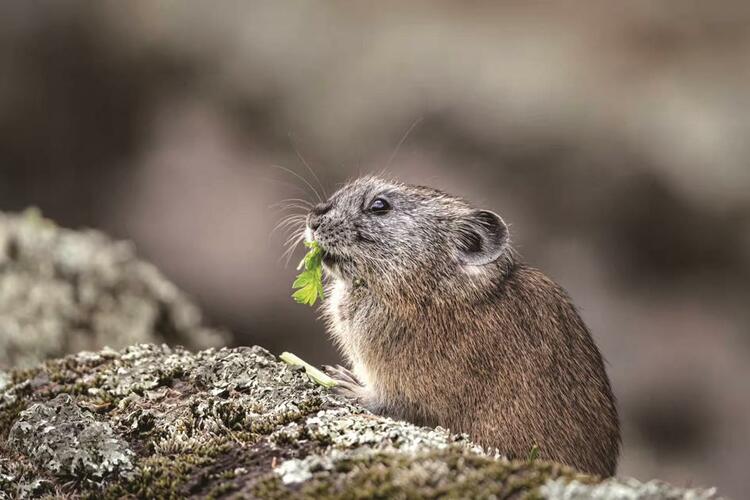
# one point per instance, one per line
(309, 283)
(314, 257)
(303, 280)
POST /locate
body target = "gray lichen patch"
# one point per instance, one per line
(180, 413)
(68, 442)
(63, 291)
(152, 421)
(344, 429)
(622, 489)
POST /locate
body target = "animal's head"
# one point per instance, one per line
(403, 235)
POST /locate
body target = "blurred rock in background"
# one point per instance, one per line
(613, 138)
(63, 291)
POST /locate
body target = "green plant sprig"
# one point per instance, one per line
(309, 282)
(313, 373)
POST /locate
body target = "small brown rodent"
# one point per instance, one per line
(444, 325)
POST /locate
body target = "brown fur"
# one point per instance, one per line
(495, 350)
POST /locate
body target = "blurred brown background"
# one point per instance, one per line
(612, 136)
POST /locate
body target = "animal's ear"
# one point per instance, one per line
(482, 238)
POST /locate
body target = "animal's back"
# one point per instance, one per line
(550, 389)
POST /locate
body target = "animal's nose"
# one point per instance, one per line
(313, 221)
(316, 214)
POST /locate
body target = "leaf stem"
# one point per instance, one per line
(315, 375)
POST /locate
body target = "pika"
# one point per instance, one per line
(443, 324)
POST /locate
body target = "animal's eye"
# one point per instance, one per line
(379, 206)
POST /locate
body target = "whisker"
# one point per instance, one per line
(289, 221)
(293, 217)
(292, 214)
(287, 203)
(403, 139)
(315, 176)
(290, 251)
(293, 200)
(289, 212)
(292, 228)
(298, 176)
(291, 239)
(300, 232)
(289, 206)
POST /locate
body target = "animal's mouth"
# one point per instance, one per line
(333, 261)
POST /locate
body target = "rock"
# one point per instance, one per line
(161, 422)
(65, 440)
(622, 489)
(62, 291)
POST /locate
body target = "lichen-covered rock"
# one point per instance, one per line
(63, 291)
(625, 489)
(159, 422)
(68, 442)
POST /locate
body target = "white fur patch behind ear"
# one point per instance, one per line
(482, 238)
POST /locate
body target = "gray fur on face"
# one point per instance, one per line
(424, 229)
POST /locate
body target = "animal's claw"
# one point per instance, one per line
(347, 384)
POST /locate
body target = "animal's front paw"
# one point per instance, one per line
(347, 384)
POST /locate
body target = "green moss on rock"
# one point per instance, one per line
(9, 413)
(453, 472)
(152, 421)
